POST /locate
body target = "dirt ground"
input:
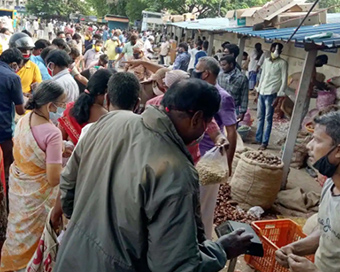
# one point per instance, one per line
(297, 178)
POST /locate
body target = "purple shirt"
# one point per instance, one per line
(226, 116)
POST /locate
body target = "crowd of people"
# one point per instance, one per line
(93, 129)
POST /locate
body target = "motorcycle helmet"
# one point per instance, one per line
(21, 41)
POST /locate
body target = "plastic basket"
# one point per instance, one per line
(274, 234)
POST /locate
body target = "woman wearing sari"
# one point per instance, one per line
(34, 176)
(88, 108)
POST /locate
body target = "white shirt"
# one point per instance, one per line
(35, 25)
(50, 27)
(148, 46)
(252, 66)
(164, 48)
(192, 53)
(327, 257)
(273, 77)
(68, 83)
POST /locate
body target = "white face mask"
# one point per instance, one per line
(276, 54)
(156, 90)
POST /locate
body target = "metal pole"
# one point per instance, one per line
(296, 119)
(232, 265)
(211, 43)
(241, 45)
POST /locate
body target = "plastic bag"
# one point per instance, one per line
(213, 167)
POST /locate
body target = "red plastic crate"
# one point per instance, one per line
(274, 234)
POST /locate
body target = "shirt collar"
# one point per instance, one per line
(60, 74)
(4, 64)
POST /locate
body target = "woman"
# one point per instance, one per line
(88, 108)
(253, 65)
(34, 176)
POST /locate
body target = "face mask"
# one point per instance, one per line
(98, 48)
(49, 70)
(26, 56)
(275, 54)
(196, 74)
(54, 116)
(325, 167)
(136, 56)
(156, 90)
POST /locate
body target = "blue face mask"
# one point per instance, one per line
(54, 116)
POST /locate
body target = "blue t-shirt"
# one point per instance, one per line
(42, 67)
(10, 95)
(199, 54)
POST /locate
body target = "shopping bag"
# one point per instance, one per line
(45, 255)
(212, 168)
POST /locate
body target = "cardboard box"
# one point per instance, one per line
(251, 16)
(272, 7)
(293, 19)
(303, 7)
(230, 14)
(177, 18)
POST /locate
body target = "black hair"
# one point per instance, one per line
(97, 85)
(259, 50)
(27, 32)
(332, 123)
(229, 59)
(60, 43)
(11, 55)
(75, 52)
(224, 44)
(46, 92)
(323, 58)
(99, 41)
(193, 95)
(280, 45)
(45, 52)
(184, 46)
(3, 30)
(123, 90)
(78, 28)
(233, 49)
(59, 57)
(97, 37)
(76, 37)
(205, 45)
(41, 44)
(245, 54)
(104, 58)
(60, 32)
(199, 44)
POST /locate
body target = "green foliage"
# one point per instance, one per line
(62, 8)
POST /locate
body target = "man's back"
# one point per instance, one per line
(135, 198)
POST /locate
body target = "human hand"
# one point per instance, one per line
(68, 149)
(301, 264)
(281, 255)
(221, 141)
(240, 117)
(235, 243)
(56, 220)
(133, 63)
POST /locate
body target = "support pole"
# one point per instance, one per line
(186, 35)
(241, 45)
(296, 119)
(196, 36)
(211, 43)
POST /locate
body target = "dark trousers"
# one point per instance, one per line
(7, 150)
(161, 61)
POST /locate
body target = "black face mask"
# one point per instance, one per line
(136, 56)
(325, 167)
(196, 74)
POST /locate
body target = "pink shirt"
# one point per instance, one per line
(49, 139)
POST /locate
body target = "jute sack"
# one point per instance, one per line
(255, 183)
(237, 157)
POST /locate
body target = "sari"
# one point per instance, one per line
(3, 208)
(30, 199)
(70, 125)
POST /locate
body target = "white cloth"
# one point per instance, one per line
(327, 257)
(252, 66)
(164, 48)
(273, 77)
(264, 56)
(50, 27)
(208, 197)
(35, 25)
(148, 46)
(192, 53)
(70, 86)
(91, 56)
(84, 131)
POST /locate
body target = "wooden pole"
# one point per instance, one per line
(241, 45)
(211, 43)
(296, 119)
(196, 36)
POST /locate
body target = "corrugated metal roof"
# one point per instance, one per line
(304, 31)
(208, 24)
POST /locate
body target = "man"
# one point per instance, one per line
(11, 99)
(59, 43)
(96, 37)
(5, 35)
(50, 29)
(208, 70)
(93, 54)
(128, 48)
(29, 72)
(201, 52)
(110, 49)
(272, 86)
(148, 50)
(35, 28)
(235, 83)
(39, 46)
(61, 35)
(165, 49)
(101, 63)
(146, 220)
(183, 58)
(232, 50)
(324, 242)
